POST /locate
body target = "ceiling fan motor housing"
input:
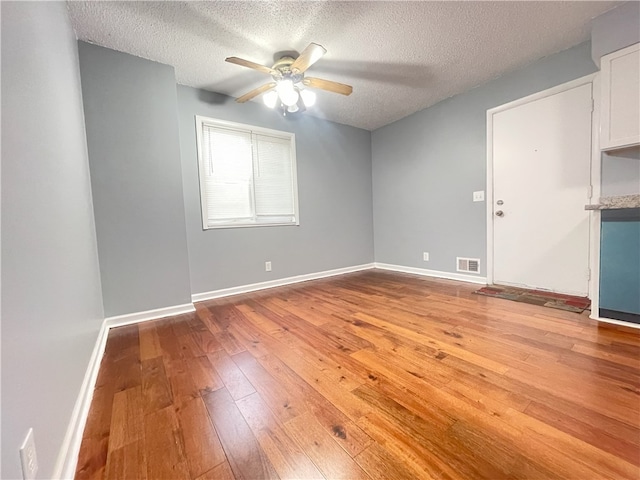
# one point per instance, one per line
(283, 70)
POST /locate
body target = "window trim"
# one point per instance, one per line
(214, 122)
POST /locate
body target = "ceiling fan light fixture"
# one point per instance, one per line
(291, 86)
(308, 97)
(287, 92)
(270, 98)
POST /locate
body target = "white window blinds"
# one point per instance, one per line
(247, 177)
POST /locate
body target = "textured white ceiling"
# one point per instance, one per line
(399, 56)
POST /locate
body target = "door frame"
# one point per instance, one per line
(594, 224)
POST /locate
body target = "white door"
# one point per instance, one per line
(541, 181)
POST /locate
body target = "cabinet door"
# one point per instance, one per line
(620, 261)
(620, 122)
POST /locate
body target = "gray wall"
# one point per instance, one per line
(51, 301)
(334, 184)
(621, 172)
(426, 166)
(615, 29)
(132, 134)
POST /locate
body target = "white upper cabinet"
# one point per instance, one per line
(620, 121)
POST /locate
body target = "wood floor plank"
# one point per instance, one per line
(220, 472)
(466, 460)
(233, 378)
(128, 461)
(204, 377)
(346, 433)
(190, 348)
(597, 351)
(127, 424)
(602, 439)
(183, 388)
(99, 417)
(92, 458)
(202, 446)
(367, 375)
(280, 337)
(155, 386)
(285, 454)
(168, 345)
(149, 341)
(380, 464)
(180, 324)
(229, 342)
(243, 452)
(206, 317)
(206, 341)
(122, 342)
(333, 462)
(283, 404)
(606, 464)
(403, 445)
(164, 445)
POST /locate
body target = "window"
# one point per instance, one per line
(247, 175)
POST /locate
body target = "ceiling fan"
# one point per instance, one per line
(288, 86)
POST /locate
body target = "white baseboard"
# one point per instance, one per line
(433, 273)
(130, 318)
(225, 292)
(68, 456)
(614, 321)
(65, 466)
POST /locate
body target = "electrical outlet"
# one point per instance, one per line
(478, 196)
(267, 266)
(425, 256)
(28, 457)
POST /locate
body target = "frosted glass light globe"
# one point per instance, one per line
(308, 97)
(270, 98)
(287, 92)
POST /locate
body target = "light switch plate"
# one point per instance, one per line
(28, 457)
(478, 196)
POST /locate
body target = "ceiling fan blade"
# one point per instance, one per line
(255, 92)
(328, 85)
(246, 63)
(308, 57)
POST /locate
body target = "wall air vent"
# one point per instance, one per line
(469, 265)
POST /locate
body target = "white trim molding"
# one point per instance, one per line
(67, 460)
(130, 318)
(226, 292)
(612, 321)
(433, 273)
(65, 465)
(594, 217)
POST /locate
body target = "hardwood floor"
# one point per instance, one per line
(368, 375)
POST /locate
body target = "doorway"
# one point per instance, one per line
(538, 182)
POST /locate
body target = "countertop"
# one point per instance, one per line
(616, 203)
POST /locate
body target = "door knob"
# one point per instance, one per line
(500, 213)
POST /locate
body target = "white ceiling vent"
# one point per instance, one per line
(469, 265)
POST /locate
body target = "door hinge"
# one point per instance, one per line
(588, 274)
(593, 104)
(590, 191)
